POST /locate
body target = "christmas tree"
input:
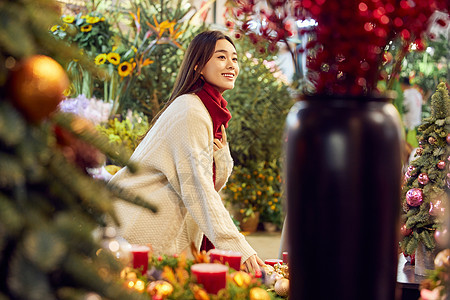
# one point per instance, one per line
(49, 205)
(425, 192)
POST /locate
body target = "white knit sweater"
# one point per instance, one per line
(175, 162)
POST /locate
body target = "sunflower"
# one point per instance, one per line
(100, 59)
(113, 58)
(125, 69)
(92, 20)
(86, 28)
(68, 19)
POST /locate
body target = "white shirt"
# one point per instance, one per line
(412, 102)
(175, 162)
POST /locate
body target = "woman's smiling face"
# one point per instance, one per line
(222, 69)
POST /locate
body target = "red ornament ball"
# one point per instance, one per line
(423, 178)
(448, 138)
(441, 165)
(414, 197)
(36, 86)
(405, 231)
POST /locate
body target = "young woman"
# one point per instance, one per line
(184, 160)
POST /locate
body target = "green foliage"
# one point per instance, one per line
(176, 273)
(429, 67)
(171, 28)
(49, 209)
(23, 32)
(256, 187)
(91, 33)
(259, 104)
(434, 149)
(127, 132)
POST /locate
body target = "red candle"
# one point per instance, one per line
(233, 259)
(140, 257)
(285, 257)
(213, 277)
(273, 261)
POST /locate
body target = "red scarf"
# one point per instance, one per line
(220, 115)
(216, 106)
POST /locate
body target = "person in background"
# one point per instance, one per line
(412, 103)
(184, 160)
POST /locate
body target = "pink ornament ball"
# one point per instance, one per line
(414, 197)
(442, 237)
(437, 209)
(441, 165)
(405, 231)
(448, 138)
(410, 170)
(423, 178)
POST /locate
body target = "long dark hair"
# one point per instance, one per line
(199, 52)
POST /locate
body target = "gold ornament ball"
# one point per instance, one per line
(37, 85)
(160, 287)
(241, 279)
(282, 287)
(258, 293)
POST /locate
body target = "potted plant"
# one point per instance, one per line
(343, 151)
(254, 194)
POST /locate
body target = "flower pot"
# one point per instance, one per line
(343, 174)
(424, 260)
(250, 223)
(270, 227)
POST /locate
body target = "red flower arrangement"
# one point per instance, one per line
(348, 45)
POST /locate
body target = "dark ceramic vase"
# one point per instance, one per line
(343, 175)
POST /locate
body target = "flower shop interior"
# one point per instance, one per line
(340, 119)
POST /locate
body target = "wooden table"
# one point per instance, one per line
(407, 280)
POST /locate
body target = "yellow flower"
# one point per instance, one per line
(241, 210)
(134, 49)
(68, 91)
(147, 61)
(273, 207)
(258, 193)
(113, 58)
(102, 19)
(270, 178)
(275, 200)
(86, 28)
(83, 17)
(54, 28)
(64, 27)
(125, 69)
(270, 202)
(92, 20)
(159, 28)
(68, 19)
(100, 59)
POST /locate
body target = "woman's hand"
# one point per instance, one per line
(219, 144)
(252, 263)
